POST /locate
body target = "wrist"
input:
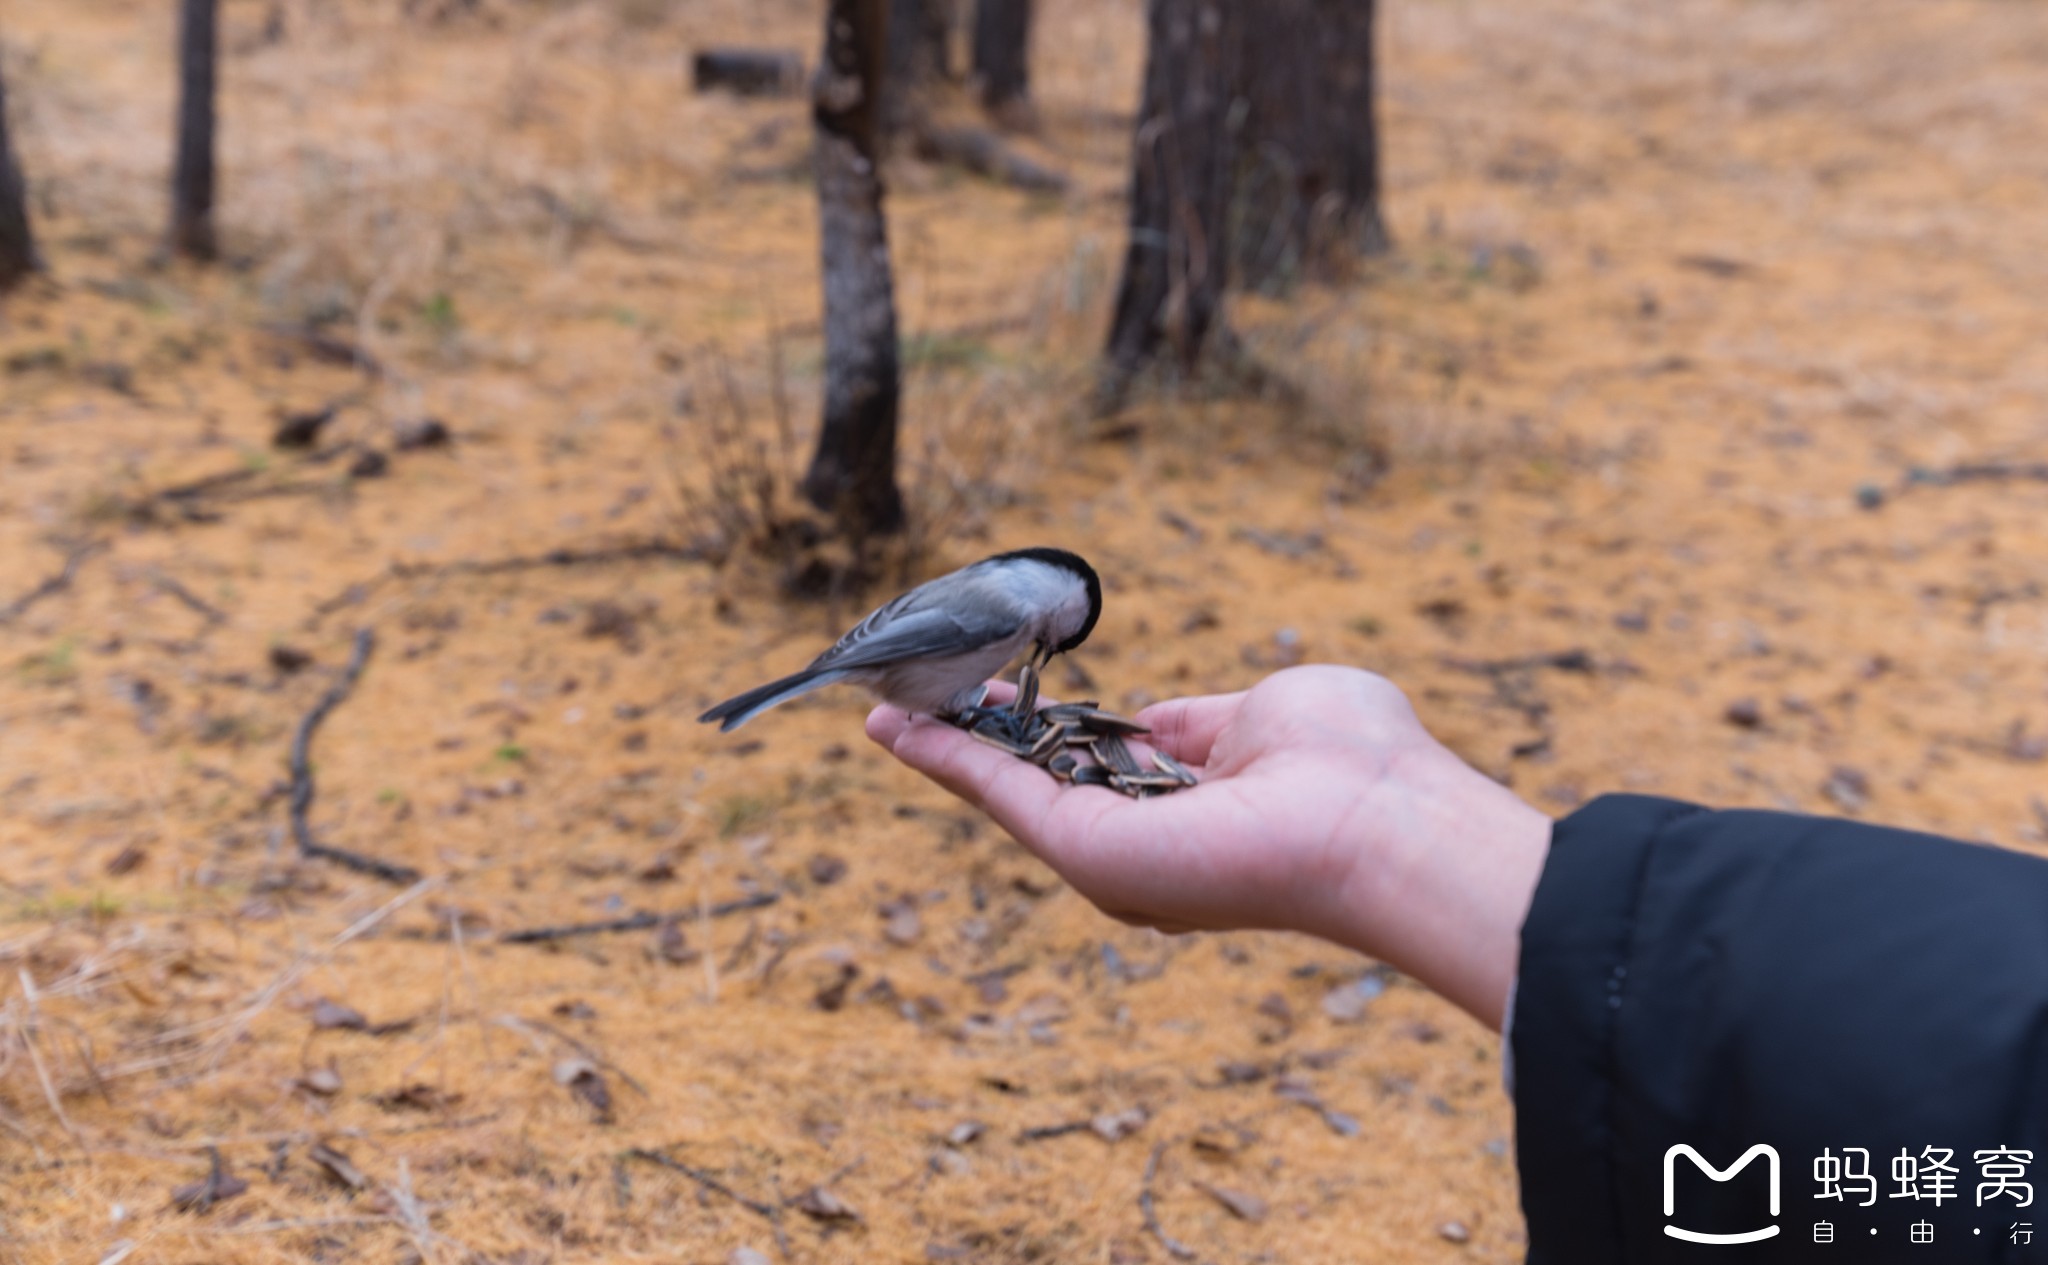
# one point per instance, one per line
(1440, 863)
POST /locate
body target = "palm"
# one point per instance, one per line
(1287, 769)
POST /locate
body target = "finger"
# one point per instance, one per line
(1019, 795)
(885, 723)
(1055, 820)
(1186, 728)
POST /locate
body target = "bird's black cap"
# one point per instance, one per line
(1079, 566)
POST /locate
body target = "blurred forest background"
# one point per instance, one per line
(1660, 396)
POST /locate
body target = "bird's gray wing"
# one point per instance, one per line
(894, 634)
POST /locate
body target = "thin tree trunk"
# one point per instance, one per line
(919, 39)
(192, 179)
(1350, 124)
(1176, 264)
(17, 244)
(853, 474)
(1308, 178)
(1002, 61)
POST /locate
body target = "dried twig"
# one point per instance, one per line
(1148, 1206)
(1981, 472)
(302, 776)
(645, 920)
(710, 1183)
(187, 598)
(54, 584)
(526, 1028)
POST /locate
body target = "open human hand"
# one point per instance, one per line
(1324, 806)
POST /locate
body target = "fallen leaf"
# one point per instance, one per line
(425, 432)
(418, 1096)
(670, 945)
(821, 1204)
(1222, 1140)
(903, 927)
(581, 1078)
(332, 1014)
(1236, 1202)
(1114, 1126)
(127, 860)
(833, 995)
(209, 1190)
(1744, 713)
(338, 1166)
(324, 1081)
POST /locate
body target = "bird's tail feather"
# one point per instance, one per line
(741, 708)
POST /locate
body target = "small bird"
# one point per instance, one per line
(930, 649)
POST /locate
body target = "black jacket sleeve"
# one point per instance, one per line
(1860, 1000)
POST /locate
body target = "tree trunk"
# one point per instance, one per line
(1308, 177)
(192, 178)
(1176, 264)
(1002, 63)
(17, 245)
(853, 474)
(919, 40)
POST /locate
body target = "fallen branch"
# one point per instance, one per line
(985, 154)
(1147, 1205)
(645, 920)
(54, 584)
(302, 776)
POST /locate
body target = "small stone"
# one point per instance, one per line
(1744, 713)
(1454, 1232)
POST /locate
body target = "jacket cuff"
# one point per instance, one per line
(1562, 1041)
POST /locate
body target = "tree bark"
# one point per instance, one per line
(1177, 262)
(1308, 178)
(192, 182)
(18, 256)
(919, 41)
(1002, 61)
(853, 473)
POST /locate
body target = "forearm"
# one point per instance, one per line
(1443, 864)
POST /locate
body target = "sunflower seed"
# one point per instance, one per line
(1112, 751)
(1048, 744)
(1069, 712)
(1027, 691)
(1001, 741)
(1091, 775)
(1062, 766)
(1167, 764)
